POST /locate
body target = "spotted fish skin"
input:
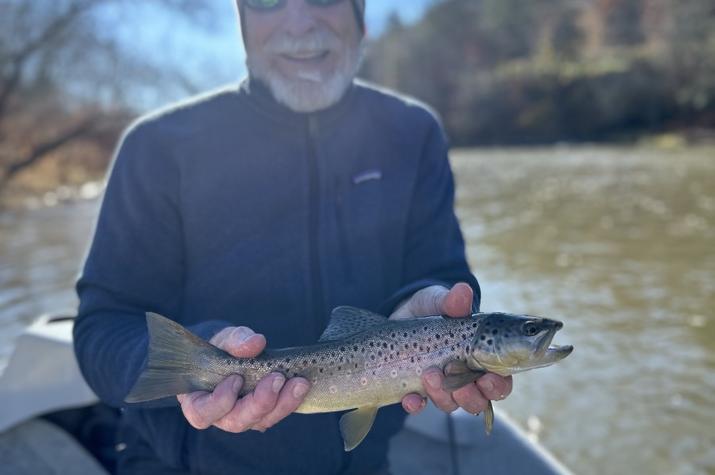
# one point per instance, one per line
(363, 360)
(376, 367)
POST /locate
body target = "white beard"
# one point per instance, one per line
(311, 90)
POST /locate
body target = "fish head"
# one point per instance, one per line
(506, 343)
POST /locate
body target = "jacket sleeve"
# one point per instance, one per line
(434, 248)
(135, 264)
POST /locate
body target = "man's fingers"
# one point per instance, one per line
(458, 301)
(253, 407)
(202, 408)
(432, 382)
(495, 387)
(413, 403)
(470, 399)
(290, 397)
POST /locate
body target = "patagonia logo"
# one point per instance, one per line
(367, 175)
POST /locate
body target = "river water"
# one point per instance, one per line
(619, 243)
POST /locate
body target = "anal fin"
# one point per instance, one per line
(355, 425)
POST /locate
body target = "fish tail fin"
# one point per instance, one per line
(171, 367)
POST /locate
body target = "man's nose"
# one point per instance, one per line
(299, 17)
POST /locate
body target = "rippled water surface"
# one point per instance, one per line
(617, 243)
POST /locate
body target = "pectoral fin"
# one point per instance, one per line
(454, 379)
(355, 425)
(489, 418)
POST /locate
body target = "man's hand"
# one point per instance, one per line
(457, 302)
(273, 398)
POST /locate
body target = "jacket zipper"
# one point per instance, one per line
(342, 232)
(313, 227)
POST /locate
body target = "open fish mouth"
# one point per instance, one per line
(548, 353)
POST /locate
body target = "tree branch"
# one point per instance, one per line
(42, 150)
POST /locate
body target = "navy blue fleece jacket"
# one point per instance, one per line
(233, 210)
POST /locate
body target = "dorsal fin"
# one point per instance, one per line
(346, 321)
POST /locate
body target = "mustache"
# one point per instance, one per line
(314, 41)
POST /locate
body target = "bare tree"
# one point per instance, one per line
(64, 79)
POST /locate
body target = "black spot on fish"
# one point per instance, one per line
(407, 346)
(490, 341)
(392, 334)
(384, 345)
(372, 357)
(425, 328)
(320, 370)
(392, 346)
(355, 348)
(342, 348)
(452, 347)
(414, 332)
(372, 344)
(404, 334)
(437, 336)
(495, 331)
(483, 337)
(451, 334)
(356, 365)
(314, 361)
(379, 353)
(464, 336)
(414, 345)
(412, 359)
(474, 325)
(339, 368)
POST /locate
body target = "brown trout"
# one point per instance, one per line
(363, 361)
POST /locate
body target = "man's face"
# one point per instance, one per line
(307, 55)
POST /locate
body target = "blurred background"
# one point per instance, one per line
(584, 154)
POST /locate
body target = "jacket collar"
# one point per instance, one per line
(259, 96)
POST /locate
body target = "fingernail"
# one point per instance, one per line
(299, 390)
(237, 383)
(278, 382)
(486, 385)
(433, 380)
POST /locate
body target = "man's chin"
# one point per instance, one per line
(307, 92)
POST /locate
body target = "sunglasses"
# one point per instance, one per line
(276, 4)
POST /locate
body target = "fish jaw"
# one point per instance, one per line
(506, 344)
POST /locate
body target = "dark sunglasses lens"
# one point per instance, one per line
(263, 4)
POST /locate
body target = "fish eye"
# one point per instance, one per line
(530, 329)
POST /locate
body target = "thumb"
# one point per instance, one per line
(458, 302)
(241, 342)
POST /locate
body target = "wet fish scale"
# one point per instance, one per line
(380, 365)
(362, 362)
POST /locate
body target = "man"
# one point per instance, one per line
(262, 208)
